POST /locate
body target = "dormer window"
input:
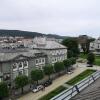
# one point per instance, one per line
(25, 63)
(36, 61)
(14, 66)
(20, 65)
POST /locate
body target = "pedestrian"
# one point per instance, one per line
(43, 88)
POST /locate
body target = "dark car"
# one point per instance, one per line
(47, 83)
(89, 65)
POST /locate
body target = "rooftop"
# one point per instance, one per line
(92, 92)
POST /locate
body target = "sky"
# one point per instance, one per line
(62, 17)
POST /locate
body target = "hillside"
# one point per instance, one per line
(27, 34)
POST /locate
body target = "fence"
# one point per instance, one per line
(73, 90)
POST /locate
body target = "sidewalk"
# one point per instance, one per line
(56, 83)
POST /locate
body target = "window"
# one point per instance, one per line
(36, 61)
(20, 65)
(43, 60)
(20, 72)
(14, 66)
(26, 72)
(25, 63)
(39, 60)
(52, 59)
(7, 77)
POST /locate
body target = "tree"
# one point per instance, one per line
(3, 90)
(58, 66)
(72, 46)
(70, 53)
(36, 75)
(84, 41)
(73, 60)
(21, 81)
(91, 58)
(67, 63)
(48, 70)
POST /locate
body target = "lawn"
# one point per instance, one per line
(97, 58)
(80, 77)
(53, 93)
(97, 61)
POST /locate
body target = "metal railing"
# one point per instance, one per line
(73, 90)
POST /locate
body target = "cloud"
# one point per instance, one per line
(63, 17)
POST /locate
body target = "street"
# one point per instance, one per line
(56, 83)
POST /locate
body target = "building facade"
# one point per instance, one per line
(95, 46)
(14, 62)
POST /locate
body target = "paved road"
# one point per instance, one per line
(56, 83)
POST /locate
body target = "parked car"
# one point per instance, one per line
(38, 88)
(47, 83)
(89, 65)
(70, 72)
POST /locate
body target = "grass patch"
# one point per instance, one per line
(53, 93)
(80, 77)
(82, 55)
(97, 58)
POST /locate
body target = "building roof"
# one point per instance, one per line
(7, 56)
(43, 43)
(92, 92)
(53, 45)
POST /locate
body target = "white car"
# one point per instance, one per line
(38, 88)
(70, 72)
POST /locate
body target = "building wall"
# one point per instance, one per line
(11, 69)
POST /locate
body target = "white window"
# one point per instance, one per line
(15, 74)
(14, 66)
(52, 59)
(20, 72)
(20, 65)
(55, 59)
(43, 60)
(25, 64)
(36, 61)
(7, 77)
(26, 72)
(0, 79)
(40, 60)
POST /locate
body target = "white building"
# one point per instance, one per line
(54, 50)
(95, 46)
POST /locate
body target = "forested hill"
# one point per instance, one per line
(26, 34)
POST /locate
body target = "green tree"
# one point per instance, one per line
(85, 41)
(21, 81)
(73, 60)
(37, 75)
(3, 90)
(70, 53)
(58, 66)
(91, 58)
(48, 70)
(72, 46)
(67, 63)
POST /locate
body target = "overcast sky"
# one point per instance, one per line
(62, 17)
